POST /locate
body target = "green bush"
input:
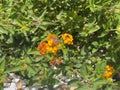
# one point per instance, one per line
(94, 25)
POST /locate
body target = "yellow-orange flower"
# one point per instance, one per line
(50, 39)
(53, 49)
(53, 43)
(109, 72)
(68, 39)
(53, 40)
(42, 47)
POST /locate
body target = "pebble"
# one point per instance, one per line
(14, 81)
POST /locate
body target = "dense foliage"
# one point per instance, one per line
(93, 24)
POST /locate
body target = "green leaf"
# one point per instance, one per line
(10, 39)
(2, 77)
(59, 15)
(99, 83)
(1, 86)
(43, 27)
(43, 14)
(84, 71)
(78, 65)
(46, 23)
(33, 52)
(50, 82)
(53, 81)
(3, 31)
(28, 59)
(94, 50)
(75, 82)
(17, 22)
(83, 87)
(95, 43)
(83, 51)
(31, 70)
(91, 5)
(93, 29)
(14, 69)
(100, 67)
(109, 88)
(51, 73)
(2, 66)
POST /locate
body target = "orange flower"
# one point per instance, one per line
(42, 47)
(53, 43)
(68, 39)
(56, 62)
(52, 61)
(50, 39)
(53, 40)
(109, 72)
